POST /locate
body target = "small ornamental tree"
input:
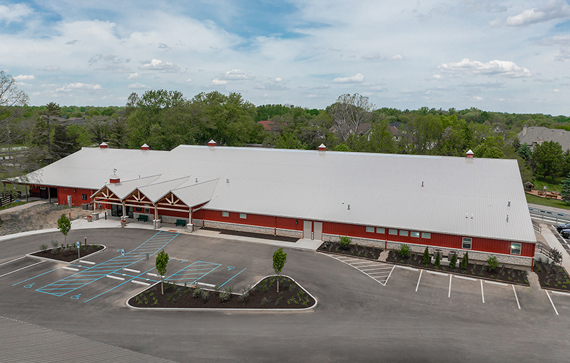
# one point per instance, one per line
(437, 260)
(161, 263)
(493, 263)
(464, 261)
(345, 242)
(404, 251)
(426, 257)
(565, 193)
(64, 225)
(279, 259)
(453, 261)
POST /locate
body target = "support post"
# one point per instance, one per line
(124, 211)
(49, 194)
(26, 186)
(190, 225)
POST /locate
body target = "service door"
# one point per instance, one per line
(318, 231)
(307, 229)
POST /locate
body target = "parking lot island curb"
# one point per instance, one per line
(245, 310)
(54, 260)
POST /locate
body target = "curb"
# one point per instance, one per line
(54, 260)
(246, 310)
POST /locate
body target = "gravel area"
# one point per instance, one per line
(42, 216)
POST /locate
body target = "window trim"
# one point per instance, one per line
(243, 216)
(370, 229)
(426, 235)
(225, 214)
(519, 249)
(415, 234)
(381, 228)
(83, 196)
(393, 232)
(464, 240)
(404, 233)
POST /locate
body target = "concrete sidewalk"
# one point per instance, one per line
(19, 208)
(553, 242)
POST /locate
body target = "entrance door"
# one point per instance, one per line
(116, 210)
(130, 212)
(307, 229)
(318, 228)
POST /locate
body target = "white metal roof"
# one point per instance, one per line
(382, 190)
(198, 193)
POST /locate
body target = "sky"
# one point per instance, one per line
(505, 56)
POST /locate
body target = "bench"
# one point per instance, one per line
(142, 217)
(181, 222)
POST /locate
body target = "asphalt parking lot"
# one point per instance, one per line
(416, 316)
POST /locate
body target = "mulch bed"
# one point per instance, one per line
(252, 234)
(68, 254)
(263, 296)
(552, 276)
(355, 250)
(501, 273)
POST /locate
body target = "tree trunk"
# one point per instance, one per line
(161, 286)
(278, 284)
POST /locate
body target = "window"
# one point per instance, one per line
(147, 211)
(415, 234)
(243, 216)
(380, 230)
(225, 214)
(393, 231)
(466, 243)
(370, 229)
(84, 196)
(137, 209)
(426, 235)
(515, 248)
(403, 233)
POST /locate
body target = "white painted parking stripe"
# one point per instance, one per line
(449, 291)
(516, 297)
(128, 269)
(496, 283)
(390, 274)
(560, 293)
(205, 284)
(465, 278)
(382, 267)
(363, 263)
(419, 278)
(16, 259)
(115, 277)
(37, 263)
(139, 282)
(482, 293)
(554, 307)
(407, 268)
(366, 267)
(155, 275)
(436, 273)
(87, 262)
(70, 268)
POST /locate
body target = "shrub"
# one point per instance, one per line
(493, 263)
(345, 242)
(43, 247)
(426, 257)
(225, 296)
(404, 251)
(205, 295)
(464, 261)
(54, 244)
(197, 292)
(453, 261)
(437, 260)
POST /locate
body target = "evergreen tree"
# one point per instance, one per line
(464, 261)
(565, 193)
(426, 257)
(437, 260)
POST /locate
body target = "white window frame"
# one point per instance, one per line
(468, 240)
(519, 248)
(426, 235)
(380, 230)
(243, 216)
(393, 232)
(369, 229)
(404, 233)
(225, 214)
(415, 234)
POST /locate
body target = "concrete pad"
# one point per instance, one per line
(553, 242)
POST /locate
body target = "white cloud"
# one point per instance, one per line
(357, 78)
(25, 77)
(478, 98)
(158, 65)
(14, 12)
(137, 85)
(397, 57)
(278, 79)
(189, 80)
(495, 67)
(556, 90)
(78, 86)
(235, 75)
(72, 42)
(133, 75)
(553, 9)
(51, 68)
(219, 82)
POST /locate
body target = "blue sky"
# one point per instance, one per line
(507, 56)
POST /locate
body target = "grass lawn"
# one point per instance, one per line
(552, 184)
(12, 205)
(547, 202)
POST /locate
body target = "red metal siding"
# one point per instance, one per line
(76, 196)
(289, 223)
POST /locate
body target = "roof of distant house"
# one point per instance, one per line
(537, 135)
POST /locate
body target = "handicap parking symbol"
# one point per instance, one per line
(230, 268)
(28, 286)
(75, 297)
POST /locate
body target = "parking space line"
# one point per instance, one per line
(482, 293)
(232, 278)
(87, 262)
(516, 297)
(153, 275)
(465, 278)
(128, 269)
(560, 293)
(407, 268)
(436, 273)
(70, 268)
(362, 262)
(140, 282)
(449, 291)
(115, 277)
(496, 283)
(419, 278)
(390, 274)
(6, 274)
(554, 307)
(31, 278)
(122, 283)
(376, 268)
(16, 259)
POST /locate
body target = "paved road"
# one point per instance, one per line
(415, 317)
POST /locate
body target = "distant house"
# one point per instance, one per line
(533, 136)
(269, 125)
